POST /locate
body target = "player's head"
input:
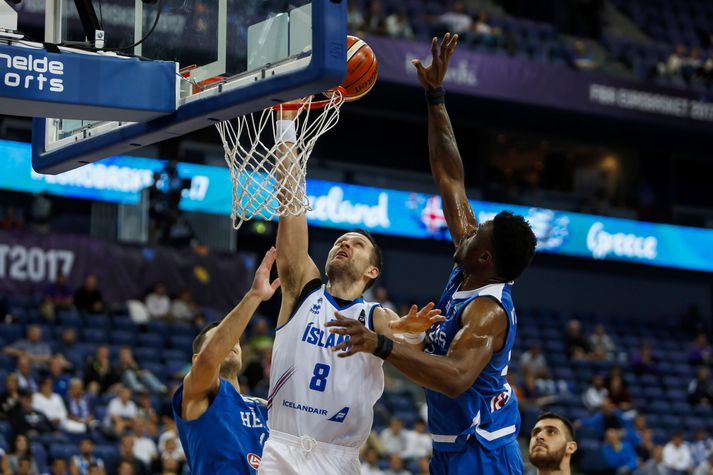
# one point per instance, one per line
(232, 363)
(503, 247)
(354, 256)
(552, 442)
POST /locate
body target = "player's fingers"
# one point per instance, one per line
(342, 345)
(434, 47)
(348, 353)
(276, 284)
(444, 44)
(436, 319)
(269, 258)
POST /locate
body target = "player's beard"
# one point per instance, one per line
(342, 271)
(230, 367)
(549, 461)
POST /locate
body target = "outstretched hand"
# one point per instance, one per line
(417, 321)
(361, 339)
(262, 288)
(431, 77)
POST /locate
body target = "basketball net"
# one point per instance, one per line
(268, 172)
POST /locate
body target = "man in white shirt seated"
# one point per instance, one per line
(120, 412)
(394, 438)
(677, 456)
(49, 403)
(370, 463)
(144, 448)
(419, 442)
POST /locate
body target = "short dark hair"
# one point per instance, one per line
(377, 258)
(567, 423)
(513, 244)
(200, 338)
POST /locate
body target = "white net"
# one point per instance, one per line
(268, 165)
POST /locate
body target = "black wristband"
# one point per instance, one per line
(384, 347)
(436, 96)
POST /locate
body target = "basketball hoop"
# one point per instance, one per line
(269, 173)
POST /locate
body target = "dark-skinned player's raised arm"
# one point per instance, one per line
(294, 265)
(446, 162)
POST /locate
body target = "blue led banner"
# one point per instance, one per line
(401, 213)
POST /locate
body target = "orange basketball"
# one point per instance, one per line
(362, 69)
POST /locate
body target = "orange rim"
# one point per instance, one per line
(313, 105)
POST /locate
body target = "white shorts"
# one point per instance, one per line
(286, 454)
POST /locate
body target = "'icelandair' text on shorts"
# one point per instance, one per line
(304, 408)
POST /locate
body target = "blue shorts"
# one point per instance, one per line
(506, 460)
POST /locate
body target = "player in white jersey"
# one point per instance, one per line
(320, 407)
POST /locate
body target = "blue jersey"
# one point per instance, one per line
(228, 437)
(488, 409)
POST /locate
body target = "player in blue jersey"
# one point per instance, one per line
(223, 432)
(472, 411)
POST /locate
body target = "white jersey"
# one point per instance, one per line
(315, 393)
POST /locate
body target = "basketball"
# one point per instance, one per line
(362, 69)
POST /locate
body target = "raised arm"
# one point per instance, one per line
(483, 333)
(294, 265)
(446, 163)
(204, 379)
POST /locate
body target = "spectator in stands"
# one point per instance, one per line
(121, 413)
(619, 454)
(375, 21)
(67, 342)
(398, 26)
(88, 298)
(26, 420)
(609, 417)
(126, 456)
(419, 441)
(57, 297)
(169, 466)
(381, 295)
(484, 32)
(21, 448)
(260, 335)
(136, 378)
(692, 64)
(78, 408)
(707, 69)
(33, 347)
(173, 451)
(596, 393)
(619, 394)
(602, 345)
(646, 445)
(169, 432)
(80, 464)
(99, 373)
(370, 464)
(654, 465)
(530, 394)
(700, 390)
(183, 307)
(125, 468)
(581, 58)
(11, 220)
(700, 352)
(144, 448)
(158, 303)
(396, 466)
(577, 346)
(645, 361)
(677, 456)
(59, 467)
(457, 20)
(705, 467)
(60, 380)
(147, 411)
(49, 403)
(423, 466)
(394, 438)
(24, 466)
(10, 398)
(533, 362)
(355, 19)
(675, 61)
(25, 375)
(700, 448)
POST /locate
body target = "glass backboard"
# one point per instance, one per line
(233, 56)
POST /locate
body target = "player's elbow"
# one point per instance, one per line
(455, 388)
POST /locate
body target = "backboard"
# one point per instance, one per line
(233, 56)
